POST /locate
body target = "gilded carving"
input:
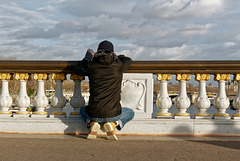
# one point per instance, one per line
(76, 77)
(40, 76)
(219, 77)
(185, 77)
(21, 76)
(237, 77)
(199, 77)
(163, 77)
(58, 76)
(5, 76)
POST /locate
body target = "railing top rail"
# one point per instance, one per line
(173, 67)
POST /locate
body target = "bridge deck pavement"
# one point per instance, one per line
(69, 147)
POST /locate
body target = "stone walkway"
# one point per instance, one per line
(137, 148)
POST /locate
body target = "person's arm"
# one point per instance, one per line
(82, 66)
(126, 61)
(89, 55)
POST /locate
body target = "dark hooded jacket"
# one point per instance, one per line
(105, 73)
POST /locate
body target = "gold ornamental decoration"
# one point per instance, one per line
(76, 77)
(21, 76)
(236, 77)
(185, 77)
(166, 77)
(199, 77)
(58, 76)
(218, 77)
(40, 76)
(5, 76)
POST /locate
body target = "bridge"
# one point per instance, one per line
(61, 117)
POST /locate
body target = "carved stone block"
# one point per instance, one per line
(137, 94)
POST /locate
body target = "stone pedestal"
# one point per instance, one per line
(5, 98)
(163, 102)
(221, 102)
(182, 101)
(236, 101)
(202, 103)
(77, 101)
(40, 101)
(58, 100)
(23, 101)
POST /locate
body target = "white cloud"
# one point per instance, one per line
(47, 9)
(179, 8)
(229, 44)
(144, 30)
(131, 50)
(194, 29)
(176, 53)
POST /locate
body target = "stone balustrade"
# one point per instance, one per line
(137, 93)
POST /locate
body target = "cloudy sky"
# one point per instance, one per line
(141, 29)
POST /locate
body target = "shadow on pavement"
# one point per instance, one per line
(222, 135)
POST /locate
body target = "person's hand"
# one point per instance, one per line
(89, 55)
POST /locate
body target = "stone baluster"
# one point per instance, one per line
(58, 100)
(22, 101)
(221, 102)
(182, 101)
(5, 98)
(77, 100)
(163, 101)
(40, 101)
(236, 101)
(202, 103)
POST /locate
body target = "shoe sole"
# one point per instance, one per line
(93, 132)
(110, 132)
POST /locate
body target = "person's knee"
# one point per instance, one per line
(129, 112)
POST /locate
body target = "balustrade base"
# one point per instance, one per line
(5, 115)
(21, 115)
(39, 113)
(38, 116)
(57, 116)
(58, 113)
(5, 112)
(202, 114)
(182, 114)
(221, 117)
(163, 116)
(236, 116)
(181, 117)
(221, 114)
(157, 127)
(202, 117)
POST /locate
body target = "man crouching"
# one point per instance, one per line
(105, 71)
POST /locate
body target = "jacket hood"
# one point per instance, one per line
(105, 57)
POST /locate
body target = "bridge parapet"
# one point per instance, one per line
(137, 93)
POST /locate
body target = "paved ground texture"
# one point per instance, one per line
(145, 148)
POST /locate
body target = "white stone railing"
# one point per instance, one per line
(202, 102)
(40, 101)
(137, 89)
